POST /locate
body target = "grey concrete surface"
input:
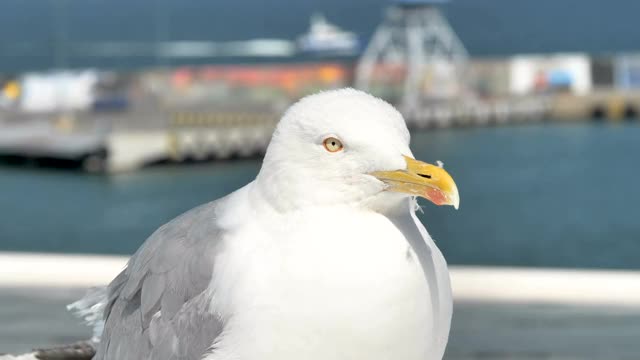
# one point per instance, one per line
(480, 331)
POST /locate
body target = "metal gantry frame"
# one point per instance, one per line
(414, 35)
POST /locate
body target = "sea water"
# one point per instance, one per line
(533, 195)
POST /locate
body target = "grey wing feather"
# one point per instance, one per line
(157, 308)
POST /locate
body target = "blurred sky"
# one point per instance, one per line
(29, 29)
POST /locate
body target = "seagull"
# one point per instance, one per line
(320, 257)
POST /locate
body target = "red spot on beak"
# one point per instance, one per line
(436, 196)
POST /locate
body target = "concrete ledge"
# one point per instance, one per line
(470, 283)
(544, 285)
(58, 270)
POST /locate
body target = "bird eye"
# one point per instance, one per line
(332, 144)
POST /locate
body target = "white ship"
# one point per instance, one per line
(325, 37)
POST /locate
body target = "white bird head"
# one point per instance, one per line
(347, 147)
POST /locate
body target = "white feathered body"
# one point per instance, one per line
(327, 283)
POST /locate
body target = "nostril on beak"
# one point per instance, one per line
(425, 176)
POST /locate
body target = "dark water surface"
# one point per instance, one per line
(539, 195)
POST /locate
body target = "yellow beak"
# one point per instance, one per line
(421, 179)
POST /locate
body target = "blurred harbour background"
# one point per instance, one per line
(562, 196)
(116, 116)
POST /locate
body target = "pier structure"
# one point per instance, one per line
(415, 50)
(416, 61)
(115, 143)
(112, 143)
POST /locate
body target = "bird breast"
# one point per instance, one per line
(324, 284)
